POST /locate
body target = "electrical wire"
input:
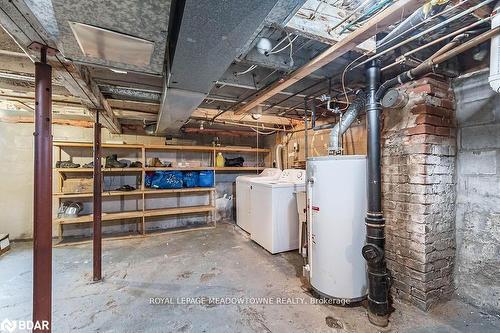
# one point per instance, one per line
(348, 102)
(251, 68)
(286, 46)
(263, 133)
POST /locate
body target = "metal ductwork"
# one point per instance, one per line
(346, 121)
(210, 36)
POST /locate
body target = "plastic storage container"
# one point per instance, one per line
(206, 178)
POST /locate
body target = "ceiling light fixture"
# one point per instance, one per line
(258, 113)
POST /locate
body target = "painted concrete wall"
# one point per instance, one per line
(16, 185)
(477, 269)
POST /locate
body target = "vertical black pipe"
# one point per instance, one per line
(373, 251)
(42, 210)
(313, 113)
(97, 205)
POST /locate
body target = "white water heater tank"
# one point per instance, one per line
(494, 78)
(337, 203)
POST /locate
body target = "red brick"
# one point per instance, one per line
(433, 120)
(443, 131)
(445, 86)
(421, 129)
(424, 88)
(448, 104)
(433, 110)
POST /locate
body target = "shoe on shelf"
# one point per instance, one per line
(136, 164)
(125, 188)
(66, 164)
(69, 209)
(88, 165)
(126, 162)
(155, 162)
(112, 162)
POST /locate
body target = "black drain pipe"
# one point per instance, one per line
(373, 251)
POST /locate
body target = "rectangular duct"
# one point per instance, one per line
(211, 35)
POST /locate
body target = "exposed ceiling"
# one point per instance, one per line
(206, 59)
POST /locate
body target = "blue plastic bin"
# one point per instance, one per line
(206, 178)
(190, 178)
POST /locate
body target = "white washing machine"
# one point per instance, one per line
(243, 195)
(273, 211)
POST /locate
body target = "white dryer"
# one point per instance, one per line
(273, 211)
(243, 195)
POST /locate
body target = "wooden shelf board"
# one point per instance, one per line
(178, 210)
(91, 170)
(90, 194)
(90, 145)
(105, 217)
(239, 168)
(180, 190)
(242, 150)
(149, 233)
(136, 192)
(163, 147)
(135, 214)
(178, 168)
(179, 147)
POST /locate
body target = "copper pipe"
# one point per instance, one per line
(42, 217)
(97, 205)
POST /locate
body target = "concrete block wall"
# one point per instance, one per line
(477, 267)
(418, 185)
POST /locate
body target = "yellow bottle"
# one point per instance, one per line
(219, 161)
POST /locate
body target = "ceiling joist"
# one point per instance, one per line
(75, 79)
(376, 24)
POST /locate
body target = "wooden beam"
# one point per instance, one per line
(207, 114)
(81, 84)
(376, 24)
(135, 115)
(14, 19)
(219, 132)
(67, 105)
(55, 121)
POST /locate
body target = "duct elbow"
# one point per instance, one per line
(333, 145)
(279, 158)
(395, 99)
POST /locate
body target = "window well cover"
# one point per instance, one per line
(112, 46)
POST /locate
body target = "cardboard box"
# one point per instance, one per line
(78, 185)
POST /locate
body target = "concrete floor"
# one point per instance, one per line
(205, 263)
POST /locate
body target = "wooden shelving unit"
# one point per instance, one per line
(140, 216)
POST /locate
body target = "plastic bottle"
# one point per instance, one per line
(219, 161)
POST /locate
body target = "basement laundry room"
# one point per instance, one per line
(250, 166)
